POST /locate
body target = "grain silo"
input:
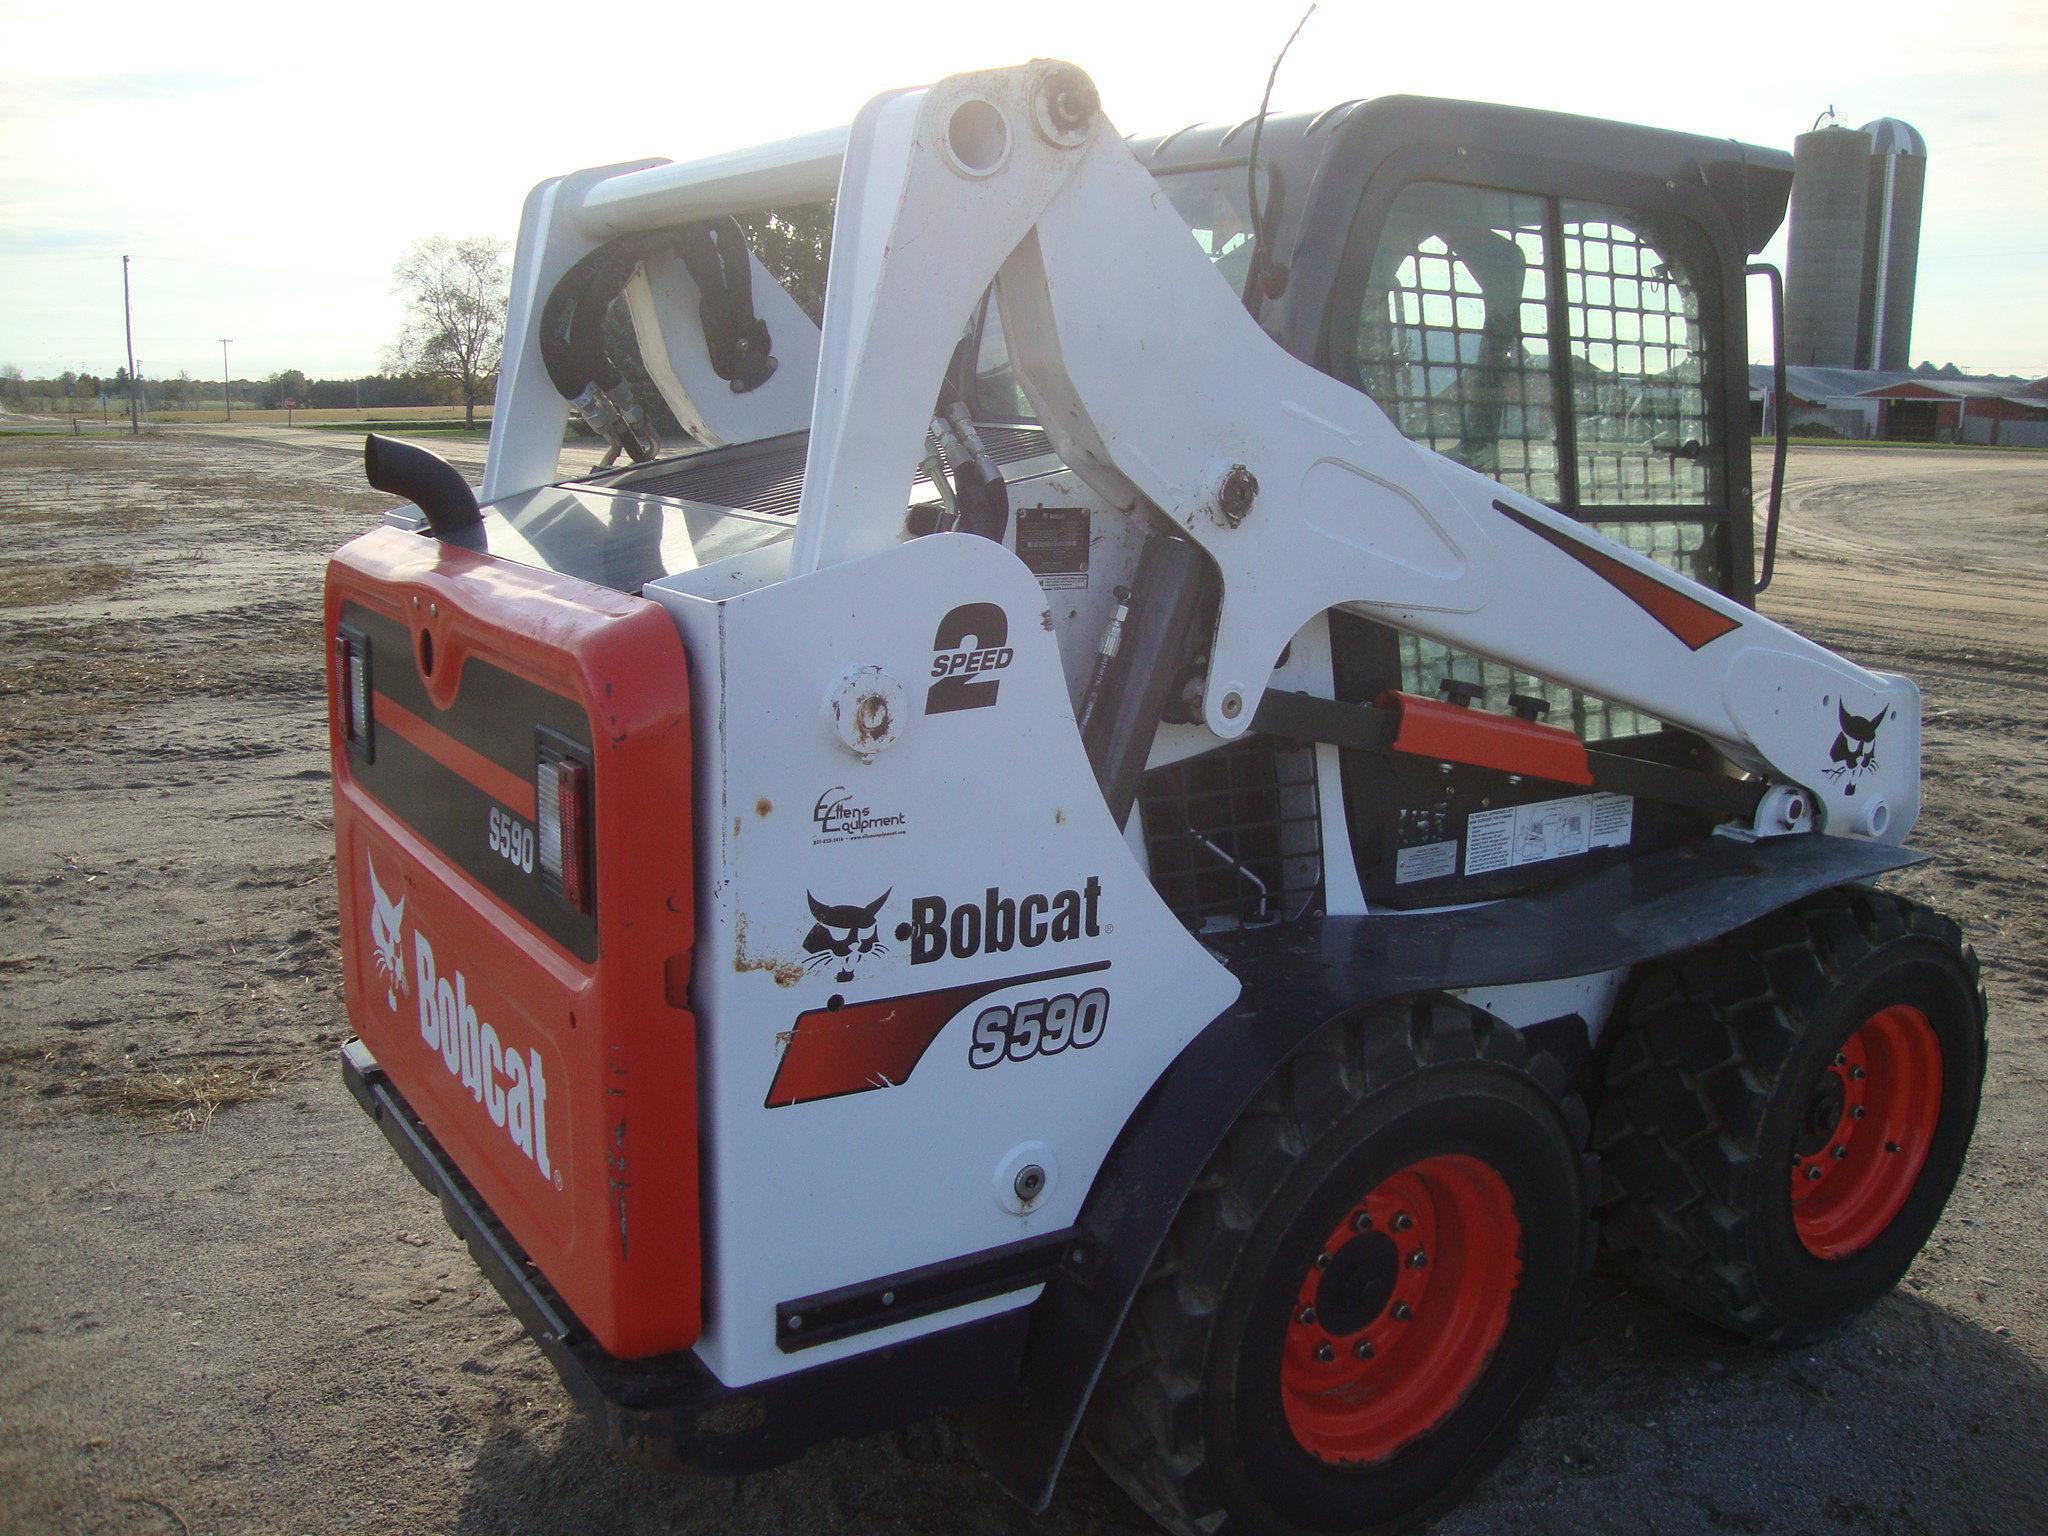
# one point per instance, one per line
(1854, 245)
(1898, 177)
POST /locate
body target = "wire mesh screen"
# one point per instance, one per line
(1235, 836)
(1691, 547)
(1639, 397)
(1453, 338)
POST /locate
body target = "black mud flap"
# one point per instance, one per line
(670, 1409)
(1297, 978)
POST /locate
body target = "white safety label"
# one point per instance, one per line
(1430, 861)
(1546, 829)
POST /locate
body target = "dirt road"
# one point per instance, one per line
(262, 1325)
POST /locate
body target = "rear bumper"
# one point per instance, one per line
(670, 1408)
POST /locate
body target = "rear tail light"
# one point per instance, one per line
(352, 670)
(562, 816)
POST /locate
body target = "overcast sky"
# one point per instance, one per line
(266, 165)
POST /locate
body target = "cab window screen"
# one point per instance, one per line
(1458, 305)
(1634, 306)
(1218, 215)
(1452, 338)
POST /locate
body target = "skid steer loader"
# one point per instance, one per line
(1150, 829)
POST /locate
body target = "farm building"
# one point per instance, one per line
(1911, 407)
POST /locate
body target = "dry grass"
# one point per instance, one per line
(188, 1100)
(21, 585)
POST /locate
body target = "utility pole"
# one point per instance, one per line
(227, 390)
(128, 324)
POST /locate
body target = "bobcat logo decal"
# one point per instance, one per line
(387, 925)
(1855, 749)
(845, 934)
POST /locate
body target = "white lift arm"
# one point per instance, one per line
(1159, 390)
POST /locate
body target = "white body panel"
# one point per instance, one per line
(799, 170)
(805, 1197)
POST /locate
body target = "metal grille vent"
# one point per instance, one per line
(1235, 836)
(769, 477)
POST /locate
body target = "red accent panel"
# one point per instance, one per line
(1431, 728)
(1688, 618)
(836, 1051)
(607, 1204)
(508, 789)
(1692, 621)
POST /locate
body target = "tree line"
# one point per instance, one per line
(448, 349)
(73, 392)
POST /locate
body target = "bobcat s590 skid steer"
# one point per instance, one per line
(1158, 825)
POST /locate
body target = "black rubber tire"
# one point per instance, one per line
(1700, 1107)
(1189, 1419)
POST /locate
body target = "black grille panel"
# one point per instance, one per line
(1235, 836)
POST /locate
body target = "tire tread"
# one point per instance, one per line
(1143, 1426)
(1690, 1080)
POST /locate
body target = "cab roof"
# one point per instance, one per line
(1750, 183)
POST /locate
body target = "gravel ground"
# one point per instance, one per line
(224, 1307)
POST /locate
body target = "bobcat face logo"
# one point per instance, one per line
(1855, 749)
(845, 935)
(387, 924)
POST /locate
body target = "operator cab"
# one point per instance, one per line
(1556, 302)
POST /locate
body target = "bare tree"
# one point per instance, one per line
(455, 293)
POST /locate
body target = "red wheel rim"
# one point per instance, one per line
(1869, 1125)
(1401, 1309)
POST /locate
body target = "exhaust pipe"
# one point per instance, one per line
(429, 482)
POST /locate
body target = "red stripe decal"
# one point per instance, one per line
(837, 1051)
(1691, 620)
(508, 789)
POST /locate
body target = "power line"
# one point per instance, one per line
(363, 274)
(128, 324)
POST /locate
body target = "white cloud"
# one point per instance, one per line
(265, 165)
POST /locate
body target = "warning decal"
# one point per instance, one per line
(1546, 829)
(1427, 862)
(1053, 542)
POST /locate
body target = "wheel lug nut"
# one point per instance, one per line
(1812, 1174)
(1891, 1146)
(1403, 1222)
(1418, 1259)
(1306, 1316)
(1361, 1222)
(1856, 1073)
(1325, 1353)
(1402, 1311)
(1840, 1153)
(1322, 1261)
(1841, 1059)
(1856, 1112)
(1362, 1349)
